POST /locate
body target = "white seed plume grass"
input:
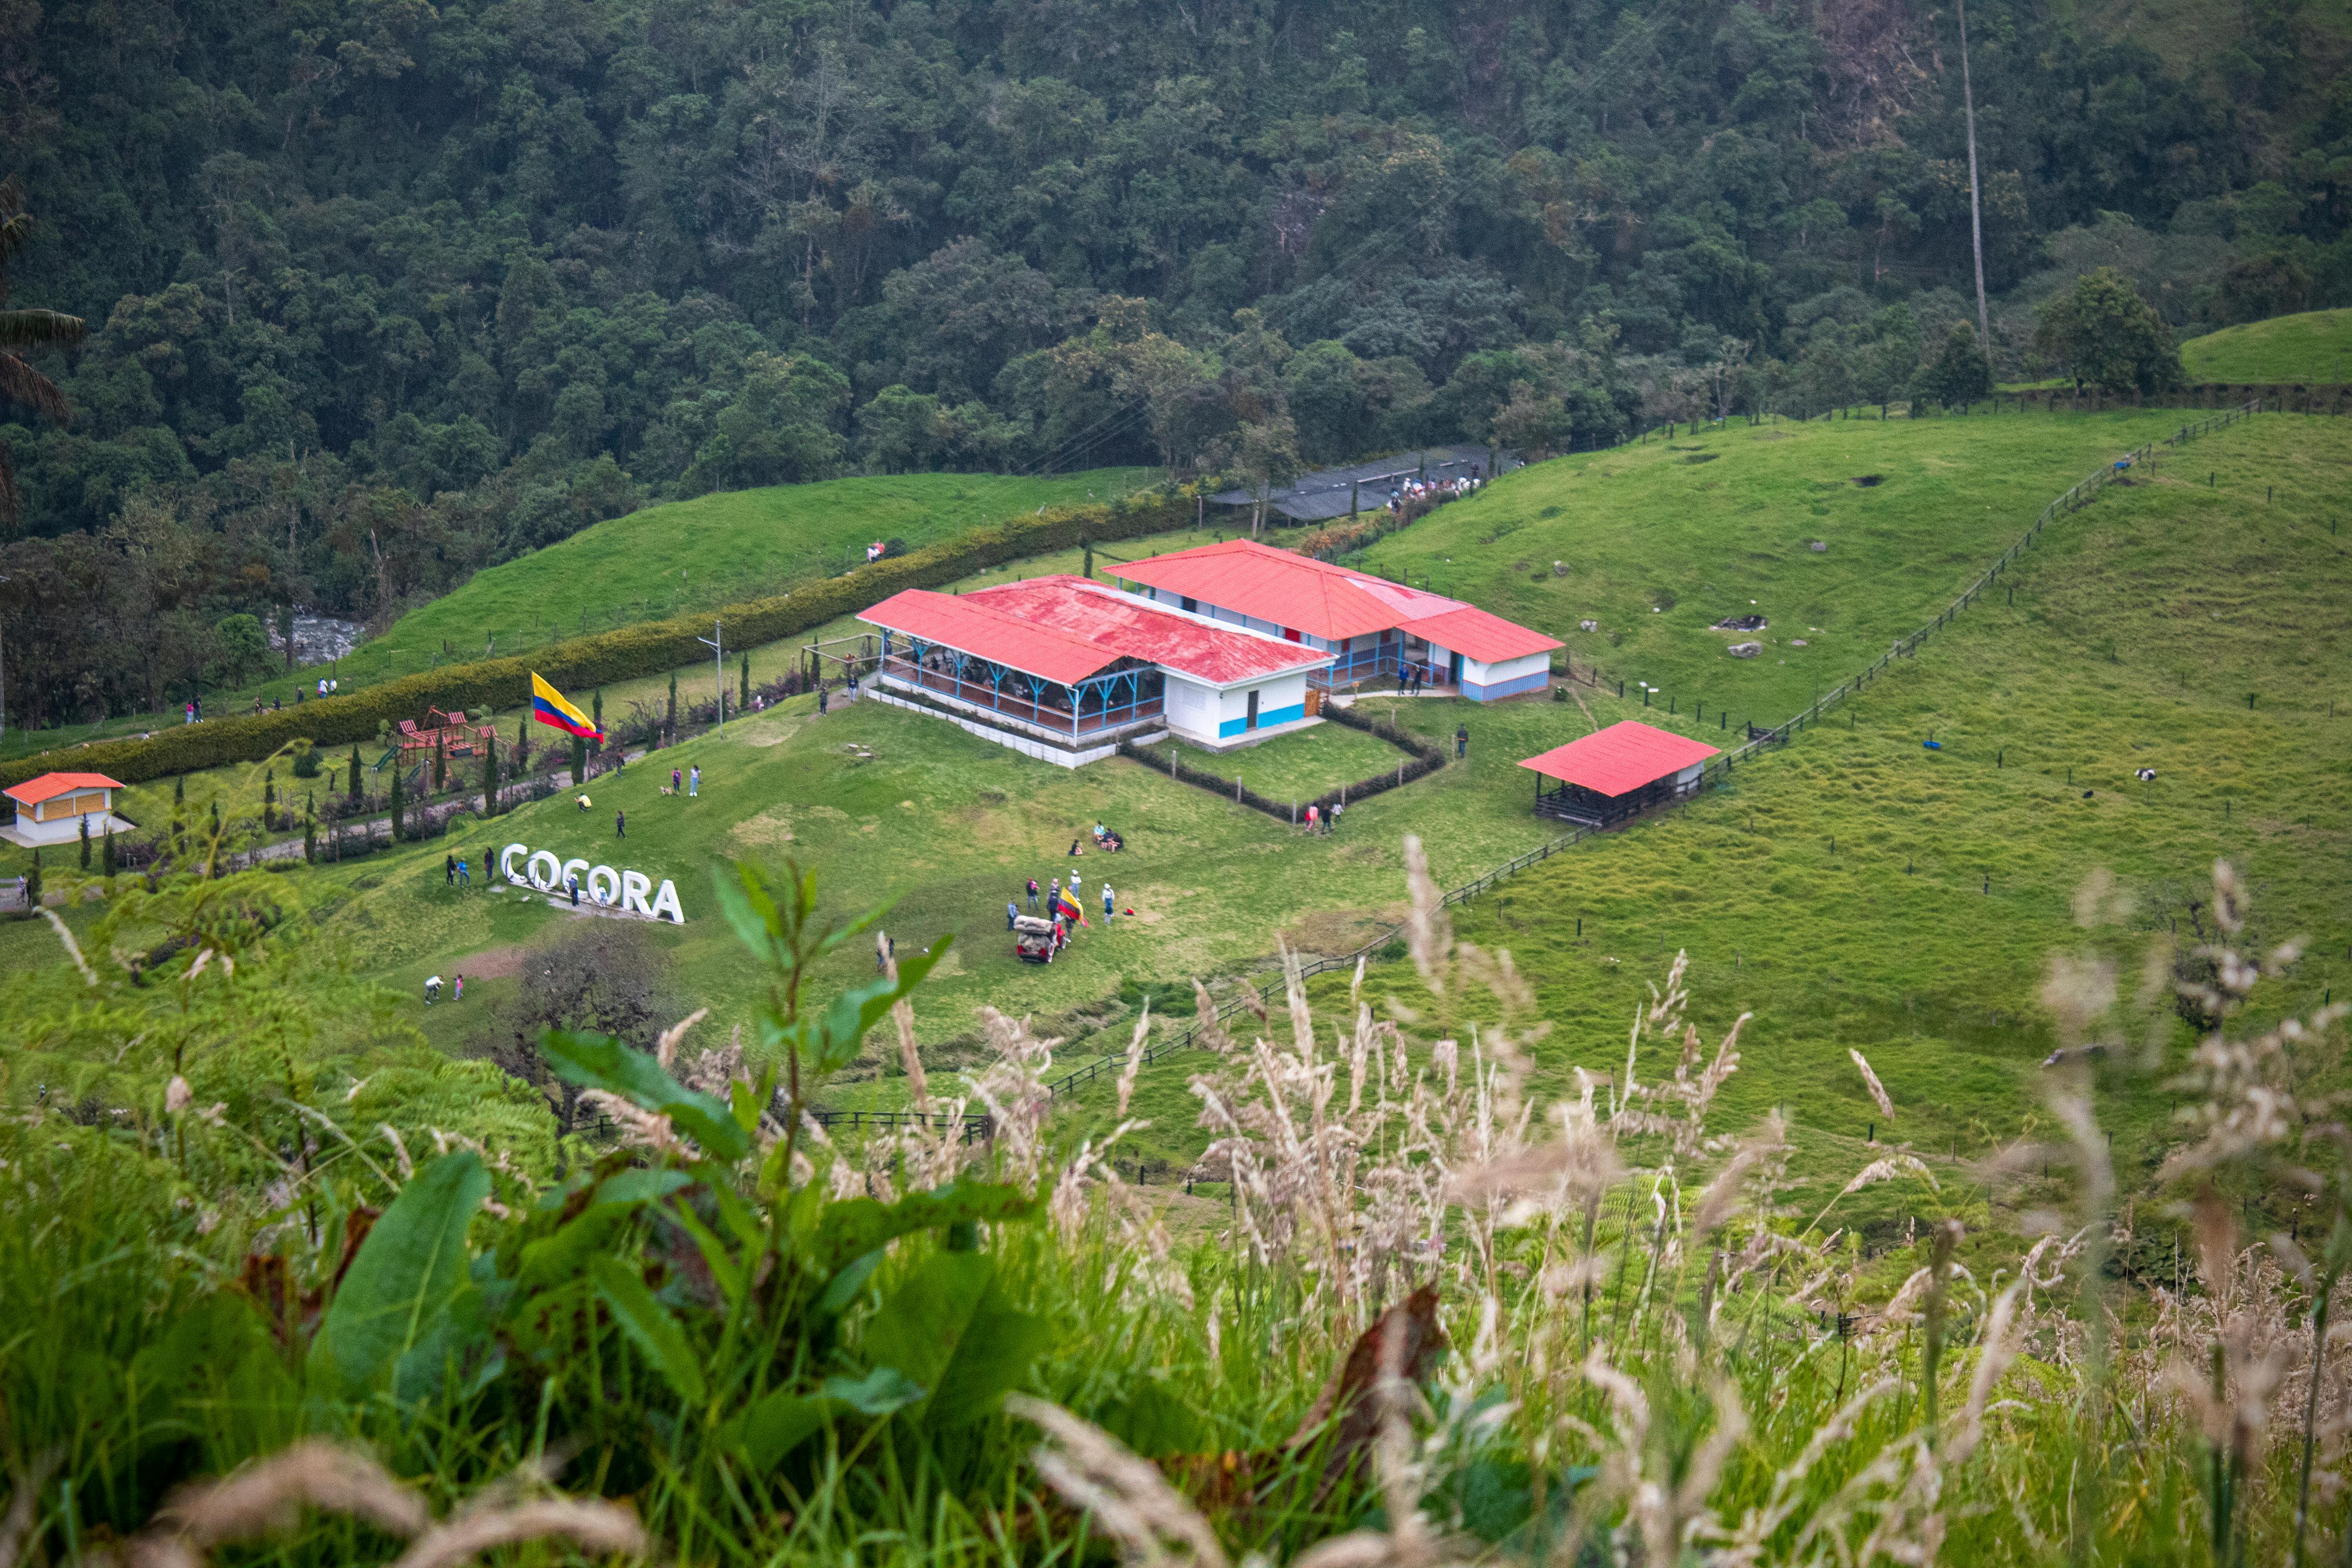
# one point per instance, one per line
(666, 1047)
(599, 1528)
(270, 1497)
(1129, 1497)
(1870, 1080)
(23, 1509)
(267, 1498)
(1134, 1057)
(73, 949)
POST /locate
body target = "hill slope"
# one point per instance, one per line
(2310, 347)
(710, 551)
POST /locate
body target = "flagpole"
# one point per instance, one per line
(719, 663)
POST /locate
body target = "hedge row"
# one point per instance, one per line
(609, 657)
(1426, 758)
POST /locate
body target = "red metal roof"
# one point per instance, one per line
(1066, 628)
(1620, 759)
(1286, 589)
(1474, 634)
(48, 786)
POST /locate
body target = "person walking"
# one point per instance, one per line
(1033, 895)
(1461, 741)
(1012, 913)
(676, 784)
(457, 992)
(1055, 903)
(694, 781)
(449, 870)
(571, 885)
(464, 873)
(620, 825)
(433, 991)
(1313, 817)
(1107, 903)
(822, 697)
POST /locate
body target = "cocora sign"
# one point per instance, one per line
(623, 890)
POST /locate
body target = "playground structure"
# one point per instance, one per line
(455, 734)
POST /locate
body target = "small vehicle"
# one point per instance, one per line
(1034, 940)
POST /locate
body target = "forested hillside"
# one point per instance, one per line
(379, 293)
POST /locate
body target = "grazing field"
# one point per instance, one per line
(2309, 347)
(2139, 628)
(1857, 889)
(1837, 1371)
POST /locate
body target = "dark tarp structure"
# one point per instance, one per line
(1318, 497)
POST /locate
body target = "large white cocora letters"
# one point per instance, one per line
(624, 890)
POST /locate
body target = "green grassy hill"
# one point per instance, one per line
(1854, 889)
(2310, 347)
(1859, 890)
(713, 551)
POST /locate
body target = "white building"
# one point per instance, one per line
(50, 809)
(1064, 669)
(1371, 626)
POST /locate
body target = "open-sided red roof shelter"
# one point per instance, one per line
(1620, 759)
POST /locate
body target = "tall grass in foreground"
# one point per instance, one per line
(1439, 1321)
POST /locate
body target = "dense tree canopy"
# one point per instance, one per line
(390, 292)
(2102, 334)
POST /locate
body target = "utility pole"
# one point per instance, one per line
(1976, 203)
(716, 644)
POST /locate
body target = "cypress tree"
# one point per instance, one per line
(596, 708)
(396, 792)
(357, 795)
(180, 788)
(311, 839)
(269, 798)
(85, 841)
(745, 704)
(33, 883)
(490, 775)
(671, 723)
(105, 851)
(440, 764)
(579, 761)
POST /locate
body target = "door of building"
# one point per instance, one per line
(1453, 669)
(1251, 723)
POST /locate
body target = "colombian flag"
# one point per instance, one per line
(1067, 908)
(550, 706)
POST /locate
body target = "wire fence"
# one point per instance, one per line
(1258, 999)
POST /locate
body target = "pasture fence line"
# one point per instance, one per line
(2078, 496)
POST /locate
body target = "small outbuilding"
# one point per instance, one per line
(1616, 773)
(50, 808)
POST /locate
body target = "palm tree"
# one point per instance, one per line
(19, 382)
